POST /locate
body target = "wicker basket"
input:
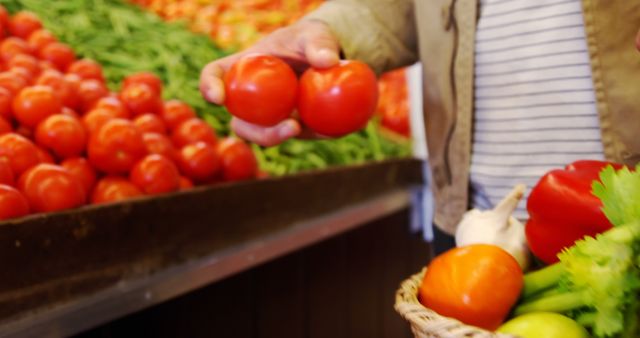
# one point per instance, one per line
(426, 323)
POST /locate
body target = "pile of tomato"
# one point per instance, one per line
(66, 140)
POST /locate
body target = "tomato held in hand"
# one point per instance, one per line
(192, 131)
(114, 189)
(116, 147)
(50, 187)
(63, 134)
(23, 23)
(19, 152)
(155, 174)
(238, 160)
(140, 98)
(34, 104)
(175, 112)
(476, 284)
(260, 89)
(199, 161)
(147, 78)
(12, 203)
(86, 69)
(83, 171)
(150, 123)
(60, 54)
(338, 100)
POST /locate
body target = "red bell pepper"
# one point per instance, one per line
(562, 209)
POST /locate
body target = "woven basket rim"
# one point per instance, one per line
(426, 322)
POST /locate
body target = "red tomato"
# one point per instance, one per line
(83, 171)
(61, 55)
(63, 134)
(140, 99)
(12, 203)
(338, 100)
(89, 92)
(114, 189)
(238, 160)
(70, 112)
(34, 104)
(116, 146)
(23, 23)
(150, 79)
(175, 112)
(5, 104)
(150, 123)
(19, 152)
(397, 119)
(13, 46)
(160, 144)
(185, 183)
(4, 17)
(60, 86)
(155, 174)
(93, 120)
(39, 39)
(44, 156)
(114, 105)
(22, 73)
(50, 187)
(199, 162)
(24, 132)
(5, 127)
(193, 130)
(27, 62)
(14, 84)
(261, 89)
(87, 69)
(6, 174)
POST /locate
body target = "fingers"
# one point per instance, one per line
(321, 48)
(266, 136)
(211, 83)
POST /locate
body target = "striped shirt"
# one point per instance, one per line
(534, 100)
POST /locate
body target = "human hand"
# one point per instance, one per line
(306, 43)
(638, 41)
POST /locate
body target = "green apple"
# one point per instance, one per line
(544, 324)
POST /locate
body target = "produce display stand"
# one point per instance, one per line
(70, 271)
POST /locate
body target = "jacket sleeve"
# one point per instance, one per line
(381, 33)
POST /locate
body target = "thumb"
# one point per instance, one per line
(321, 46)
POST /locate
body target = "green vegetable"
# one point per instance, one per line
(597, 281)
(544, 324)
(126, 39)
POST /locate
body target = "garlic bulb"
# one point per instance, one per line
(497, 227)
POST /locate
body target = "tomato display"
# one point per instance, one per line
(35, 104)
(175, 112)
(90, 91)
(61, 86)
(19, 152)
(155, 174)
(59, 54)
(260, 89)
(83, 171)
(93, 120)
(64, 135)
(25, 61)
(150, 123)
(5, 104)
(22, 24)
(114, 105)
(140, 98)
(12, 203)
(114, 189)
(39, 39)
(116, 146)
(160, 144)
(149, 79)
(238, 160)
(6, 174)
(14, 84)
(86, 69)
(5, 127)
(50, 187)
(191, 131)
(339, 100)
(199, 161)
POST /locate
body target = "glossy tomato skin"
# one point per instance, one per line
(140, 98)
(44, 156)
(113, 189)
(147, 78)
(86, 69)
(155, 174)
(23, 23)
(6, 174)
(13, 46)
(160, 144)
(96, 118)
(58, 82)
(89, 92)
(27, 62)
(150, 123)
(5, 104)
(5, 127)
(19, 152)
(238, 160)
(14, 84)
(34, 104)
(83, 171)
(22, 73)
(113, 104)
(175, 112)
(193, 130)
(60, 54)
(199, 162)
(476, 284)
(12, 203)
(339, 100)
(62, 134)
(116, 147)
(39, 39)
(260, 89)
(50, 187)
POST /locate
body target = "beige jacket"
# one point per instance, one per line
(392, 33)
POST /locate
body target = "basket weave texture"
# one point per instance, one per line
(426, 323)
